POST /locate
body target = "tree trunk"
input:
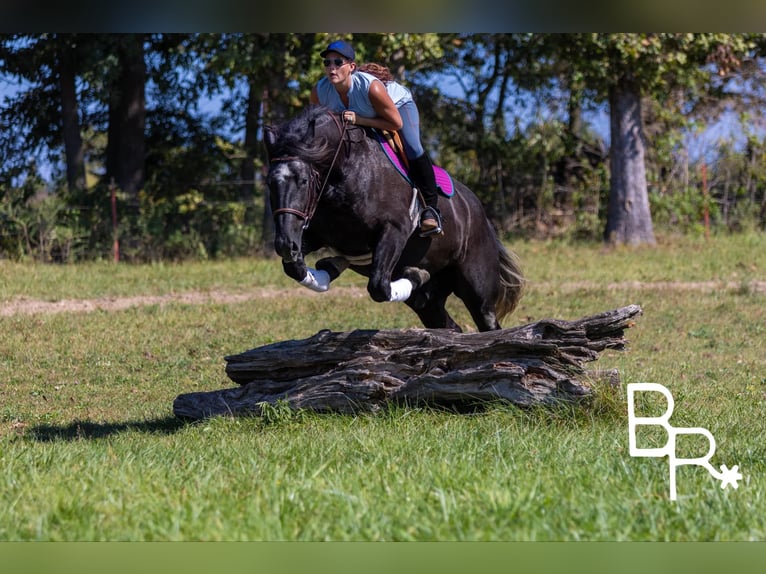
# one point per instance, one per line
(252, 122)
(540, 363)
(73, 148)
(127, 118)
(629, 220)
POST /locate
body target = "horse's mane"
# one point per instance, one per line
(306, 136)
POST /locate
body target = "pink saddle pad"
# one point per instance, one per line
(443, 179)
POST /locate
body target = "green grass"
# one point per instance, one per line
(105, 279)
(89, 449)
(676, 258)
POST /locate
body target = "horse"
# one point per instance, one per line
(332, 186)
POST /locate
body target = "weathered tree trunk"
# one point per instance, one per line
(539, 363)
(629, 220)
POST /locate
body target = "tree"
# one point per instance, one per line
(70, 123)
(32, 119)
(126, 150)
(621, 69)
(470, 118)
(500, 103)
(143, 91)
(258, 69)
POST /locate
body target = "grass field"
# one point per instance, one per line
(90, 450)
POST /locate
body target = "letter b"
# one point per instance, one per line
(663, 421)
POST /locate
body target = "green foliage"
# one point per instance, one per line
(659, 61)
(188, 226)
(683, 210)
(35, 224)
(279, 413)
(538, 177)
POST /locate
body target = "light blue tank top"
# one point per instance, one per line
(358, 95)
(398, 93)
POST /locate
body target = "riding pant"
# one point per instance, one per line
(410, 132)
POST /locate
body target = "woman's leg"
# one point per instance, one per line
(421, 169)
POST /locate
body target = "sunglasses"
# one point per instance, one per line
(337, 61)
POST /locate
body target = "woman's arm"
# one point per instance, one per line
(388, 117)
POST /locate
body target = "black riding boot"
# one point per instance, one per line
(422, 172)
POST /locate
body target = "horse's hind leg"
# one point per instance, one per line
(417, 276)
(479, 298)
(483, 314)
(433, 314)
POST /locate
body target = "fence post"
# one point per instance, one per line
(115, 234)
(705, 199)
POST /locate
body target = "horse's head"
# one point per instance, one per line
(293, 186)
(297, 152)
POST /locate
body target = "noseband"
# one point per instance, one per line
(314, 190)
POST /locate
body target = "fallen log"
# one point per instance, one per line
(363, 370)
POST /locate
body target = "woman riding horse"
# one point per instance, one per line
(365, 100)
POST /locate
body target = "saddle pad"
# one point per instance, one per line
(443, 179)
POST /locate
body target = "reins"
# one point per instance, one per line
(313, 195)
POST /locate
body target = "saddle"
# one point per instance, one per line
(392, 145)
(394, 141)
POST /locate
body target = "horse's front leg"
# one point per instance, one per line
(295, 269)
(385, 257)
(333, 266)
(315, 279)
(328, 270)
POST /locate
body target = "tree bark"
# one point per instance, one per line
(252, 123)
(629, 220)
(539, 363)
(73, 148)
(126, 147)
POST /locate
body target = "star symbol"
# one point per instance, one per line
(730, 476)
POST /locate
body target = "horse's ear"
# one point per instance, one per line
(269, 138)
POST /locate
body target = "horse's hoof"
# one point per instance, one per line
(417, 276)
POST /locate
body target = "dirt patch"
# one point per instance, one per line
(29, 306)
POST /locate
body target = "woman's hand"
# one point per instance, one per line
(350, 117)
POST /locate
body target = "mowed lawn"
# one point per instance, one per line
(90, 449)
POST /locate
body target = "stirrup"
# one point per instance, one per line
(433, 214)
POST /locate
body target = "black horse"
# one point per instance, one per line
(332, 186)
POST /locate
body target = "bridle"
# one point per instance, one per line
(315, 191)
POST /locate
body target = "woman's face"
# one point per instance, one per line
(337, 68)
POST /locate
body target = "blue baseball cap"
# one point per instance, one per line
(342, 47)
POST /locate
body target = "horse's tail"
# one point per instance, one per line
(511, 282)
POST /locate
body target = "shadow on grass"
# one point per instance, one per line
(86, 430)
